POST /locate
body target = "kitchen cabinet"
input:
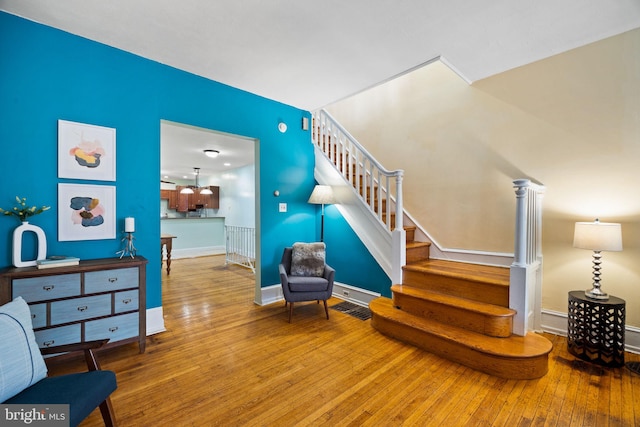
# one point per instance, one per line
(182, 200)
(207, 201)
(191, 202)
(171, 196)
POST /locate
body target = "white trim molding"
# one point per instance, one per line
(354, 294)
(196, 252)
(155, 321)
(272, 294)
(555, 323)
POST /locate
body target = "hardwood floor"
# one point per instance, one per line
(226, 361)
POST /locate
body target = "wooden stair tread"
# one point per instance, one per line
(474, 272)
(458, 302)
(522, 347)
(414, 244)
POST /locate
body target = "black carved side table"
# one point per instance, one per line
(596, 329)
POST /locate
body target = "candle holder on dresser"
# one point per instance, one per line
(129, 228)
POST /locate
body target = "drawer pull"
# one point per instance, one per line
(48, 287)
(113, 329)
(126, 301)
(83, 308)
(113, 279)
(48, 343)
(33, 316)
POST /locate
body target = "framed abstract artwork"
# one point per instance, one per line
(86, 212)
(86, 151)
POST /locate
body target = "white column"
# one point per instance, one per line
(520, 250)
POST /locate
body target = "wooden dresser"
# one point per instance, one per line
(100, 298)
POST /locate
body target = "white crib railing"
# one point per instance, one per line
(240, 246)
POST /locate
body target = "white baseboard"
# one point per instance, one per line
(273, 293)
(197, 252)
(155, 321)
(354, 294)
(270, 294)
(555, 323)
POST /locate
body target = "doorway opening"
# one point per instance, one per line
(200, 224)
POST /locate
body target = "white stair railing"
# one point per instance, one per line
(378, 188)
(525, 289)
(240, 246)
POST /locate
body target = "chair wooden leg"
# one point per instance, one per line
(326, 310)
(108, 415)
(290, 311)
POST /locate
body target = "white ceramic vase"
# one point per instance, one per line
(17, 244)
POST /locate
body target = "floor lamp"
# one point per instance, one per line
(322, 195)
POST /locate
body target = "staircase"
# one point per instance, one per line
(460, 312)
(456, 310)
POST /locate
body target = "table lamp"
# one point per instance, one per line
(597, 236)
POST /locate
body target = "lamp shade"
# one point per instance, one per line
(322, 195)
(598, 236)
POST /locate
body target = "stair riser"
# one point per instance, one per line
(503, 367)
(478, 291)
(416, 254)
(411, 235)
(452, 315)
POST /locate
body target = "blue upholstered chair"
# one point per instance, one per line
(23, 373)
(305, 276)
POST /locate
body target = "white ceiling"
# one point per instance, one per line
(311, 54)
(182, 150)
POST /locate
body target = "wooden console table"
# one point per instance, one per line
(596, 329)
(165, 240)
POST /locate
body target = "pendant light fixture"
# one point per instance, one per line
(190, 190)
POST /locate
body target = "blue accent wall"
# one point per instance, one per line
(353, 262)
(47, 75)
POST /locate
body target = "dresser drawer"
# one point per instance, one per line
(126, 301)
(58, 336)
(38, 315)
(45, 288)
(109, 280)
(75, 309)
(96, 299)
(115, 328)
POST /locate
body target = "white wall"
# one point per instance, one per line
(570, 122)
(237, 196)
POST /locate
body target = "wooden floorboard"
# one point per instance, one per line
(226, 361)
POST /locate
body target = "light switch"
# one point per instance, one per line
(283, 207)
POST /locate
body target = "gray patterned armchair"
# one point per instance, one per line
(305, 276)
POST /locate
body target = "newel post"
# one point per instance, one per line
(399, 201)
(518, 293)
(520, 250)
(398, 236)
